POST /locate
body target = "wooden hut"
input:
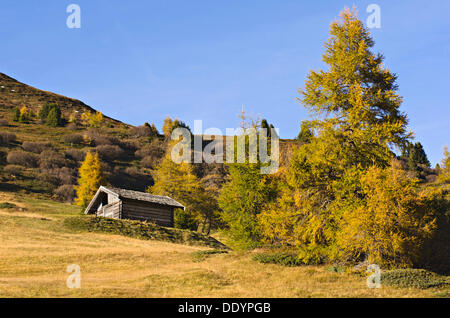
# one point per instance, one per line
(127, 204)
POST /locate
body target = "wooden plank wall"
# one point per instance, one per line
(146, 211)
(111, 210)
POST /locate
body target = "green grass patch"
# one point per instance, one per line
(141, 230)
(8, 205)
(202, 255)
(280, 258)
(336, 269)
(417, 278)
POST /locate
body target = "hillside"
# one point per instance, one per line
(37, 248)
(37, 158)
(16, 94)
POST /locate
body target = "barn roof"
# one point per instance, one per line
(132, 195)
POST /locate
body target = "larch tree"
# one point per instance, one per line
(355, 115)
(178, 181)
(90, 179)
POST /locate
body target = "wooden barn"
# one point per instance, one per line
(127, 204)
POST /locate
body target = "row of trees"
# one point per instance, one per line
(50, 114)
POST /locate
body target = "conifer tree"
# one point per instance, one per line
(16, 114)
(179, 182)
(54, 117)
(356, 119)
(305, 133)
(91, 178)
(444, 170)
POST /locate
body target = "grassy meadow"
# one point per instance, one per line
(36, 248)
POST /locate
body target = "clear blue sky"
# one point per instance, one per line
(140, 61)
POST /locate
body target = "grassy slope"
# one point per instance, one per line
(37, 248)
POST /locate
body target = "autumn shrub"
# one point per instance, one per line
(75, 139)
(155, 149)
(22, 158)
(66, 192)
(100, 140)
(14, 170)
(36, 147)
(109, 152)
(76, 154)
(66, 175)
(148, 162)
(7, 138)
(49, 160)
(146, 130)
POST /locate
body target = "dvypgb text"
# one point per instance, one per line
(242, 145)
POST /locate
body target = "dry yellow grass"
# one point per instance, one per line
(36, 250)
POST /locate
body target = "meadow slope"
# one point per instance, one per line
(36, 249)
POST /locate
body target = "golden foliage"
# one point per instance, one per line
(91, 178)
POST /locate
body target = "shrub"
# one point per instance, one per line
(66, 175)
(22, 158)
(144, 131)
(50, 159)
(4, 123)
(416, 278)
(76, 139)
(13, 169)
(109, 152)
(7, 138)
(202, 255)
(7, 205)
(66, 192)
(149, 162)
(76, 154)
(36, 147)
(280, 258)
(155, 149)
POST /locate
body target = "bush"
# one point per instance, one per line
(66, 192)
(50, 160)
(4, 123)
(7, 205)
(149, 162)
(36, 147)
(7, 138)
(155, 149)
(280, 258)
(13, 170)
(202, 255)
(75, 139)
(22, 158)
(416, 278)
(144, 131)
(76, 154)
(109, 152)
(66, 175)
(99, 140)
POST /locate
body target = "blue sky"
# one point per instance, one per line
(140, 61)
